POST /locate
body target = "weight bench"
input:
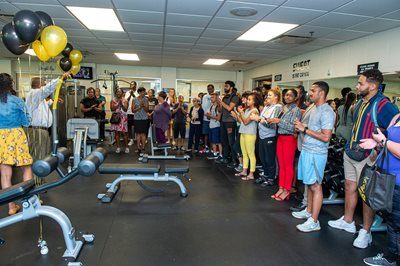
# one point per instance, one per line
(139, 173)
(32, 207)
(154, 146)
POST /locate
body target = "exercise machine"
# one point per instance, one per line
(139, 173)
(154, 146)
(32, 207)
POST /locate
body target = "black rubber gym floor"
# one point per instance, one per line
(223, 221)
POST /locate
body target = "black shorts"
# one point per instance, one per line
(141, 126)
(130, 120)
(179, 129)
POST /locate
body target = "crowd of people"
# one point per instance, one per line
(284, 134)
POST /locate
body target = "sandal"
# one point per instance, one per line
(240, 175)
(14, 210)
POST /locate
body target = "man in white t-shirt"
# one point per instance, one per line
(130, 96)
(206, 105)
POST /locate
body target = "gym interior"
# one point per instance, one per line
(90, 203)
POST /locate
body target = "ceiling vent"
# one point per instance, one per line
(4, 18)
(240, 62)
(291, 39)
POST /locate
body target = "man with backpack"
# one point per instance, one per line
(355, 157)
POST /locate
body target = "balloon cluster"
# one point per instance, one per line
(71, 60)
(48, 40)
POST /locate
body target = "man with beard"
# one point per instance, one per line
(228, 123)
(355, 157)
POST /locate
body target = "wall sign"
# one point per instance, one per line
(301, 69)
(278, 77)
(364, 67)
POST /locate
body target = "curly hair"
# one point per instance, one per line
(6, 86)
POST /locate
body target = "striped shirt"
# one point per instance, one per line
(363, 126)
(286, 125)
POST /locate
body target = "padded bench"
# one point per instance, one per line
(129, 169)
(16, 191)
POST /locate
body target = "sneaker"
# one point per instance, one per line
(304, 214)
(298, 208)
(219, 159)
(378, 260)
(118, 150)
(239, 168)
(126, 150)
(204, 150)
(213, 156)
(182, 148)
(259, 180)
(309, 226)
(232, 165)
(363, 240)
(267, 183)
(343, 225)
(130, 143)
(258, 166)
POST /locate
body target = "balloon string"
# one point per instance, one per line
(57, 93)
(20, 77)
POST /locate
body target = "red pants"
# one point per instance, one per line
(285, 150)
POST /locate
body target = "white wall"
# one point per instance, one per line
(5, 66)
(340, 60)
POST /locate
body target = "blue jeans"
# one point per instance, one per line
(194, 132)
(393, 225)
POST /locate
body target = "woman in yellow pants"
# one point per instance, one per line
(248, 135)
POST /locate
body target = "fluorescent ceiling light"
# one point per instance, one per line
(216, 62)
(130, 57)
(30, 52)
(265, 31)
(97, 18)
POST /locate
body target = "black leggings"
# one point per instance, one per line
(267, 155)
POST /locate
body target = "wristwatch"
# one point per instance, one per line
(305, 130)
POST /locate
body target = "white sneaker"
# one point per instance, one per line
(118, 150)
(126, 150)
(343, 225)
(130, 143)
(309, 226)
(304, 214)
(363, 240)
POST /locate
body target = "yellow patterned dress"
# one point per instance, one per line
(14, 148)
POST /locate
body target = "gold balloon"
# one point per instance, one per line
(75, 56)
(54, 40)
(40, 51)
(75, 69)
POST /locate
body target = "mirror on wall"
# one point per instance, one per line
(191, 88)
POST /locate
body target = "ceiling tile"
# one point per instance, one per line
(236, 49)
(144, 17)
(278, 46)
(147, 48)
(393, 15)
(293, 15)
(153, 5)
(346, 35)
(376, 25)
(181, 39)
(263, 2)
(110, 34)
(225, 34)
(213, 41)
(336, 20)
(187, 20)
(172, 49)
(203, 7)
(202, 52)
(178, 45)
(231, 24)
(325, 42)
(7, 8)
(88, 3)
(305, 30)
(68, 24)
(83, 39)
(147, 43)
(77, 32)
(208, 47)
(115, 41)
(55, 11)
(262, 10)
(143, 28)
(370, 7)
(326, 5)
(145, 37)
(47, 2)
(248, 44)
(189, 31)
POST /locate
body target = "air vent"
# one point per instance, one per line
(291, 39)
(240, 62)
(4, 19)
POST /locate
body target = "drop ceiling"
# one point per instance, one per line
(185, 33)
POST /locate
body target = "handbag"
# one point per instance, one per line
(376, 185)
(115, 118)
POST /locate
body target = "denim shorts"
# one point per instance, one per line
(214, 135)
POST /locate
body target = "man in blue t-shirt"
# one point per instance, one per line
(314, 154)
(355, 158)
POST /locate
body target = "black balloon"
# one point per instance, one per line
(45, 19)
(27, 25)
(11, 40)
(65, 64)
(67, 50)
